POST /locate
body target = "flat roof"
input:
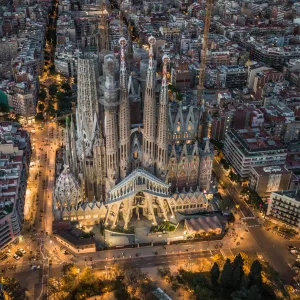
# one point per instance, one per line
(293, 194)
(255, 140)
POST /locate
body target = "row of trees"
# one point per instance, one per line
(62, 94)
(12, 289)
(252, 197)
(238, 280)
(126, 283)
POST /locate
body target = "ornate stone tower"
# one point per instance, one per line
(111, 103)
(149, 132)
(87, 106)
(124, 115)
(206, 162)
(162, 125)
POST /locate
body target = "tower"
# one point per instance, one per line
(110, 121)
(149, 133)
(87, 106)
(162, 124)
(206, 162)
(124, 114)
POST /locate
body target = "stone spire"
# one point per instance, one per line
(73, 146)
(67, 158)
(162, 126)
(149, 132)
(124, 114)
(111, 124)
(87, 104)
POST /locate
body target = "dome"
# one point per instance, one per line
(67, 190)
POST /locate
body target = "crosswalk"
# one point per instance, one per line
(248, 218)
(250, 226)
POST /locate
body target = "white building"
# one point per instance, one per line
(285, 207)
(252, 147)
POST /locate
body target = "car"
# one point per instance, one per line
(33, 267)
(16, 257)
(19, 253)
(38, 266)
(291, 247)
(22, 250)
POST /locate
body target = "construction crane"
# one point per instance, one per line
(208, 10)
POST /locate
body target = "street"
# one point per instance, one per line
(38, 202)
(273, 248)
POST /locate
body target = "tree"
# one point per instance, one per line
(42, 94)
(39, 117)
(215, 273)
(52, 69)
(4, 108)
(226, 275)
(13, 289)
(236, 277)
(255, 277)
(52, 89)
(225, 164)
(238, 271)
(41, 107)
(66, 87)
(164, 272)
(254, 293)
(50, 110)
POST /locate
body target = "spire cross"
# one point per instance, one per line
(151, 42)
(122, 43)
(165, 60)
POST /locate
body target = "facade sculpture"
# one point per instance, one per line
(115, 169)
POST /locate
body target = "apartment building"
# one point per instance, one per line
(231, 77)
(245, 148)
(15, 154)
(265, 180)
(22, 98)
(284, 206)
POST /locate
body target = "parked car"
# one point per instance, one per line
(22, 250)
(16, 257)
(19, 253)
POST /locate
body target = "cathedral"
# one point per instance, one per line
(132, 151)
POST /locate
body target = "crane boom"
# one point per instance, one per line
(208, 10)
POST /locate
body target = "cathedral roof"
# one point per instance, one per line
(139, 180)
(67, 191)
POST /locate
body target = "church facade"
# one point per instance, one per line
(132, 152)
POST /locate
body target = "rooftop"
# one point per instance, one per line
(294, 194)
(255, 140)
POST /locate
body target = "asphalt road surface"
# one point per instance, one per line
(271, 248)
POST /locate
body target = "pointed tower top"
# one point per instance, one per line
(122, 42)
(207, 145)
(150, 83)
(164, 84)
(196, 150)
(151, 41)
(165, 60)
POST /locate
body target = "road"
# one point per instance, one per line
(38, 202)
(273, 248)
